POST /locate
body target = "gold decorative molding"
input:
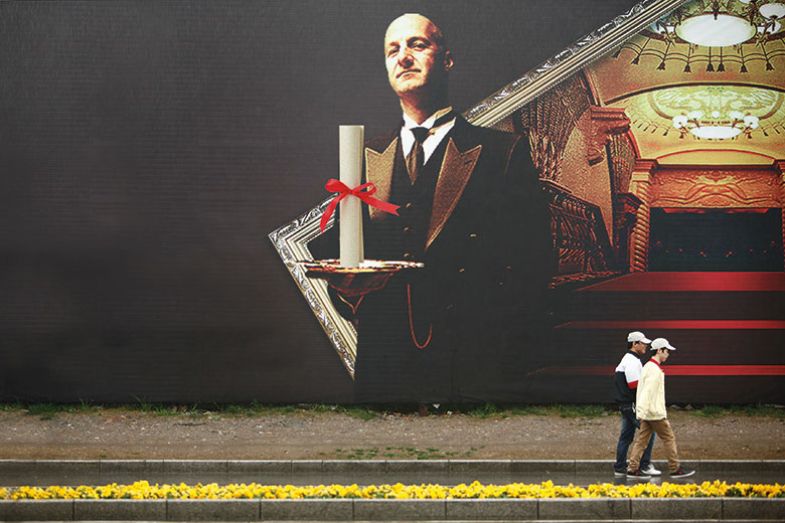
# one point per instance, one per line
(645, 166)
(622, 162)
(625, 214)
(639, 238)
(716, 188)
(607, 122)
(550, 120)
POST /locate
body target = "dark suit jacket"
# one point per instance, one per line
(486, 255)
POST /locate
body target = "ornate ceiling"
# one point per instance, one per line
(651, 114)
(654, 79)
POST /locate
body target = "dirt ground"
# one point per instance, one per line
(126, 434)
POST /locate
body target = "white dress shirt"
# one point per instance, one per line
(435, 135)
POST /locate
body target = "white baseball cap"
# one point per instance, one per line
(661, 343)
(637, 336)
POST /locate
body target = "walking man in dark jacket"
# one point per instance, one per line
(628, 373)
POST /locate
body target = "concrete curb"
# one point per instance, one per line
(694, 509)
(108, 466)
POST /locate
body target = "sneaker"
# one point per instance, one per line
(682, 473)
(638, 475)
(620, 473)
(651, 471)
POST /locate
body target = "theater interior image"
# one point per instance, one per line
(666, 182)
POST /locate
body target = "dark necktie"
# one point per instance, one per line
(416, 158)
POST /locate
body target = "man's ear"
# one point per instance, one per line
(448, 62)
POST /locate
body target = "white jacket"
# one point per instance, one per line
(650, 397)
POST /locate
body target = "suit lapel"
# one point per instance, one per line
(460, 159)
(456, 169)
(379, 170)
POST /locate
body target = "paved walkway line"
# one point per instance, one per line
(362, 466)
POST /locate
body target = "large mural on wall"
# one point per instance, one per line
(633, 182)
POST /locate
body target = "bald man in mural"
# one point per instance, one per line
(471, 209)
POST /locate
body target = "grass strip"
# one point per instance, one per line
(47, 411)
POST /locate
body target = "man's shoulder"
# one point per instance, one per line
(630, 359)
(486, 135)
(650, 366)
(381, 142)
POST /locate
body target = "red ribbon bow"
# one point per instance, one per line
(364, 192)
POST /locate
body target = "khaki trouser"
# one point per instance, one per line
(664, 431)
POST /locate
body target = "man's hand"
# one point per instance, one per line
(348, 286)
(628, 411)
(351, 290)
(358, 285)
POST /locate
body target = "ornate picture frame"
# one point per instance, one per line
(291, 240)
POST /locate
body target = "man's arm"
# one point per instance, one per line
(645, 395)
(632, 373)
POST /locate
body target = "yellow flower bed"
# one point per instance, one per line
(476, 490)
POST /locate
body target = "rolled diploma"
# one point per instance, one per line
(351, 139)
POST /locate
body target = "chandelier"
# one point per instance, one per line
(733, 22)
(714, 112)
(708, 112)
(715, 126)
(715, 33)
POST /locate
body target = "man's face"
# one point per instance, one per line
(664, 353)
(413, 59)
(639, 347)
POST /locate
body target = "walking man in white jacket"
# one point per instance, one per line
(650, 410)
